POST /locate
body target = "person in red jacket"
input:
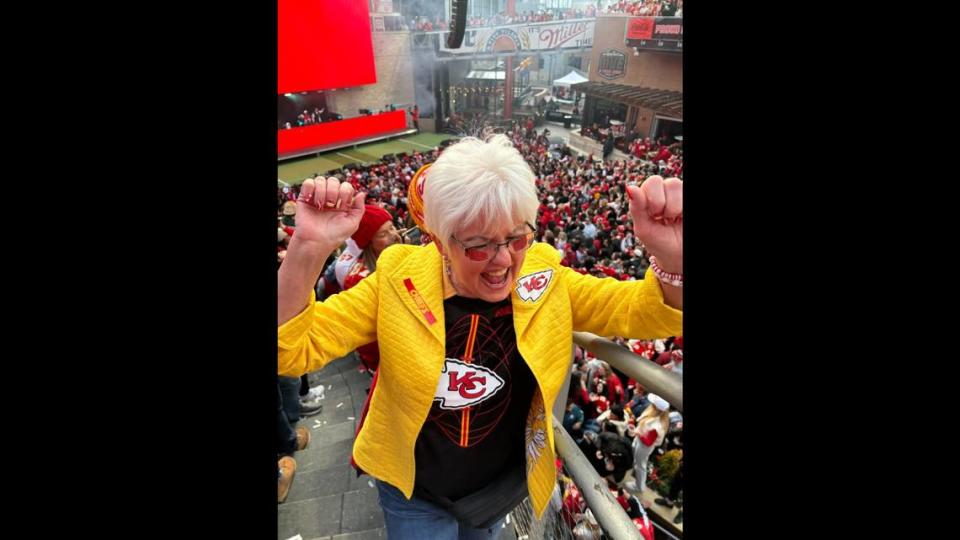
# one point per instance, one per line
(663, 155)
(415, 115)
(614, 385)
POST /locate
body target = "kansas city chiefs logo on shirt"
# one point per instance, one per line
(530, 288)
(462, 385)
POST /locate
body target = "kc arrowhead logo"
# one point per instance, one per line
(530, 288)
(463, 385)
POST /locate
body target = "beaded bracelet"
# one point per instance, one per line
(665, 277)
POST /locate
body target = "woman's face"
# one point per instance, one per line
(386, 236)
(492, 279)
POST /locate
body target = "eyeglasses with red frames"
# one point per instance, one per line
(514, 244)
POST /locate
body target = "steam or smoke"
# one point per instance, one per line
(423, 8)
(424, 62)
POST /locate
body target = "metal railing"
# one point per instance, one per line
(650, 375)
(611, 516)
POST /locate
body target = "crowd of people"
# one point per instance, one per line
(545, 15)
(663, 151)
(308, 118)
(637, 8)
(426, 24)
(583, 211)
(655, 8)
(385, 183)
(318, 115)
(630, 436)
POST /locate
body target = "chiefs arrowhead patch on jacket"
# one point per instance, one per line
(530, 287)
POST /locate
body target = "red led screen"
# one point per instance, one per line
(323, 44)
(301, 138)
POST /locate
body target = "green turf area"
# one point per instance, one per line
(295, 171)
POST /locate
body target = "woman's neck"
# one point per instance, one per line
(449, 290)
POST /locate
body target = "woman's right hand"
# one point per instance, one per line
(328, 211)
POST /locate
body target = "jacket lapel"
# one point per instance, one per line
(537, 279)
(418, 281)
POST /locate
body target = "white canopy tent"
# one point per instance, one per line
(574, 77)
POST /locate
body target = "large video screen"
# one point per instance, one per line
(323, 44)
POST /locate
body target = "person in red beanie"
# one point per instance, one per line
(376, 233)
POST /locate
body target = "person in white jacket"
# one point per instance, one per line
(649, 432)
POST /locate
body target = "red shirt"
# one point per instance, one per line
(615, 389)
(664, 358)
(546, 217)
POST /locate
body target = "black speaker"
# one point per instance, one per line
(458, 23)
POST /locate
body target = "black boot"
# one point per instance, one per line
(663, 502)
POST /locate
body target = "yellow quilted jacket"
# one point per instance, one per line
(401, 306)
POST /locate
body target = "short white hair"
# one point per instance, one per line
(473, 181)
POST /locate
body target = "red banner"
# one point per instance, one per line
(640, 28)
(655, 33)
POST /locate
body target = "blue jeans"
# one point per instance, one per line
(416, 519)
(288, 413)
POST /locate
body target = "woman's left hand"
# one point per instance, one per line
(656, 207)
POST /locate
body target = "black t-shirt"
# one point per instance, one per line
(474, 432)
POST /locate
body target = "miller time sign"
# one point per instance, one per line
(612, 64)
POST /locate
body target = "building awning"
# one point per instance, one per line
(666, 102)
(486, 75)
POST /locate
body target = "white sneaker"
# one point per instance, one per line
(315, 393)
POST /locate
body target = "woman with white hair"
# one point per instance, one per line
(474, 333)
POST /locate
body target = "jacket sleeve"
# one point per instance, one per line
(328, 330)
(631, 309)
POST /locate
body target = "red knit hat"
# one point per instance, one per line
(373, 218)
